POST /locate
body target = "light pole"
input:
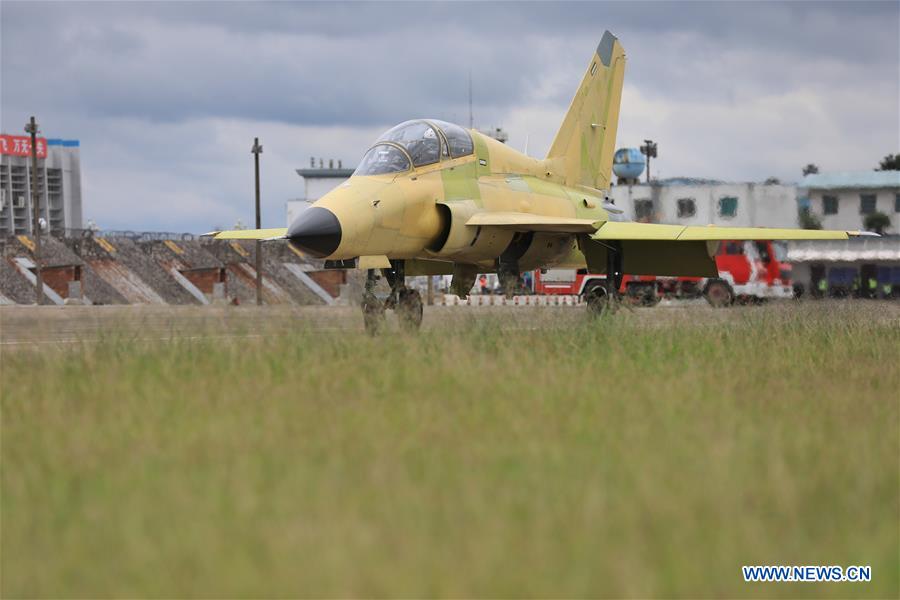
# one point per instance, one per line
(32, 128)
(648, 150)
(256, 151)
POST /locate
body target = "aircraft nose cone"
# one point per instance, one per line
(316, 231)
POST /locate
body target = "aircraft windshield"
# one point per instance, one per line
(382, 158)
(420, 140)
(458, 138)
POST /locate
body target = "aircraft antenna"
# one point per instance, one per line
(471, 119)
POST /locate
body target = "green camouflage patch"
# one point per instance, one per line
(482, 154)
(460, 183)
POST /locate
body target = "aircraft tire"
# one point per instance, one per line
(597, 299)
(373, 315)
(409, 309)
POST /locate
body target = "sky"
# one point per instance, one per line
(166, 98)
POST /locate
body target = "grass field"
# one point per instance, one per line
(641, 455)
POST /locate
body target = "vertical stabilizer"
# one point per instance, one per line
(583, 148)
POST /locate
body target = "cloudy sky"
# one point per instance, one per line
(167, 97)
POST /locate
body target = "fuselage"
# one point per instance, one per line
(420, 212)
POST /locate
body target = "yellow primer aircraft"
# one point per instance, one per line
(430, 198)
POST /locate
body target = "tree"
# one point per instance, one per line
(877, 222)
(810, 169)
(891, 162)
(772, 181)
(808, 220)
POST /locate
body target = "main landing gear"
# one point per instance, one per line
(604, 298)
(404, 301)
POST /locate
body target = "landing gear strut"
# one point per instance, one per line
(406, 302)
(508, 274)
(372, 307)
(605, 299)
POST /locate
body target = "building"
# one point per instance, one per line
(59, 184)
(843, 200)
(317, 181)
(867, 267)
(685, 201)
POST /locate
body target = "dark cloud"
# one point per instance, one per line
(364, 63)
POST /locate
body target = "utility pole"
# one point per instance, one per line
(471, 119)
(32, 128)
(648, 150)
(256, 151)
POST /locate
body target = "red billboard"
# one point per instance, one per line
(20, 145)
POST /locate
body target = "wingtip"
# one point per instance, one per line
(210, 234)
(864, 234)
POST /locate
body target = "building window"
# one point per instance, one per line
(643, 210)
(728, 206)
(866, 204)
(897, 203)
(686, 208)
(830, 205)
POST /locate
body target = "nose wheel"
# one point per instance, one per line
(409, 309)
(404, 301)
(372, 306)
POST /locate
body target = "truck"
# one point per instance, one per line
(749, 271)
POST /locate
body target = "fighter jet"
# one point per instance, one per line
(430, 197)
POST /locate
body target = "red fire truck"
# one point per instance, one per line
(748, 271)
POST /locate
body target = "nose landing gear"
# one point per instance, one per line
(405, 302)
(409, 309)
(372, 307)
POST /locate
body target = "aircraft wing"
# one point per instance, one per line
(626, 230)
(518, 221)
(249, 234)
(650, 231)
(678, 250)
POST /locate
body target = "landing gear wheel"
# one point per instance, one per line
(598, 301)
(373, 314)
(719, 294)
(409, 309)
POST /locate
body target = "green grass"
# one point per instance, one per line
(617, 458)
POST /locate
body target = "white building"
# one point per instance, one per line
(59, 184)
(843, 200)
(864, 266)
(317, 181)
(697, 202)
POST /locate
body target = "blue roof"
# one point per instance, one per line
(688, 181)
(852, 180)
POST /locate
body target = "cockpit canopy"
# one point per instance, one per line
(424, 142)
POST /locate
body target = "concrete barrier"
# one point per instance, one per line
(515, 301)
